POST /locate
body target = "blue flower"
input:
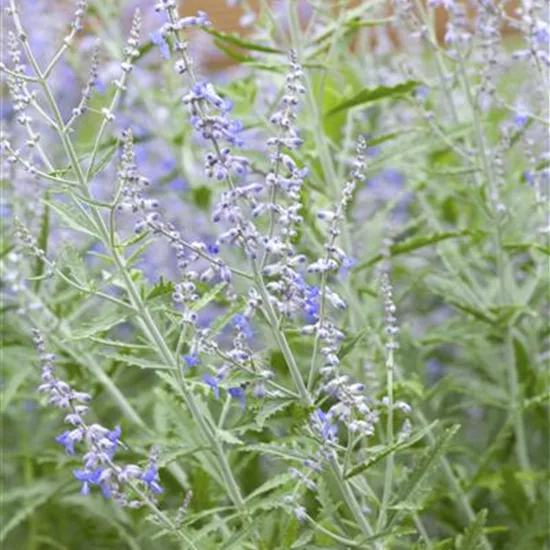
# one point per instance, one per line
(178, 184)
(542, 36)
(88, 477)
(321, 422)
(157, 39)
(67, 441)
(242, 323)
(529, 177)
(114, 437)
(213, 249)
(238, 393)
(347, 264)
(521, 119)
(213, 383)
(421, 91)
(100, 87)
(312, 305)
(191, 360)
(150, 477)
(393, 177)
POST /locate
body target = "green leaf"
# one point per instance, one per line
(219, 324)
(472, 539)
(386, 450)
(273, 483)
(14, 356)
(105, 159)
(277, 450)
(162, 288)
(348, 347)
(269, 409)
(414, 243)
(101, 325)
(303, 541)
(76, 264)
(138, 361)
(73, 218)
(370, 95)
(236, 40)
(423, 466)
(42, 243)
(26, 510)
(201, 196)
(227, 437)
(208, 297)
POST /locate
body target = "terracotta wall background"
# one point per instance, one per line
(227, 19)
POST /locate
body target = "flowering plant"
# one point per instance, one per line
(298, 303)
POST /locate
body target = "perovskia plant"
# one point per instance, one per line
(299, 303)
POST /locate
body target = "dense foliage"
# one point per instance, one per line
(299, 302)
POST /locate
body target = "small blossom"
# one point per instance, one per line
(213, 383)
(238, 393)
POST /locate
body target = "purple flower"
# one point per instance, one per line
(213, 249)
(242, 323)
(347, 264)
(66, 440)
(311, 303)
(157, 39)
(150, 477)
(114, 437)
(421, 91)
(191, 360)
(238, 393)
(88, 477)
(178, 184)
(542, 36)
(213, 383)
(520, 119)
(323, 426)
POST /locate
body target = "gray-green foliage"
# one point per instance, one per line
(453, 209)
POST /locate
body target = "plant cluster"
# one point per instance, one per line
(297, 303)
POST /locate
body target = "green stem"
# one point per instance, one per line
(388, 477)
(351, 500)
(514, 390)
(146, 321)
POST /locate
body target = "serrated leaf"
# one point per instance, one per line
(42, 243)
(304, 539)
(239, 535)
(273, 483)
(221, 322)
(325, 500)
(236, 40)
(76, 265)
(138, 361)
(73, 218)
(17, 377)
(105, 159)
(162, 288)
(370, 95)
(227, 437)
(276, 450)
(269, 409)
(119, 343)
(25, 511)
(472, 539)
(386, 450)
(208, 297)
(422, 467)
(99, 326)
(348, 347)
(414, 243)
